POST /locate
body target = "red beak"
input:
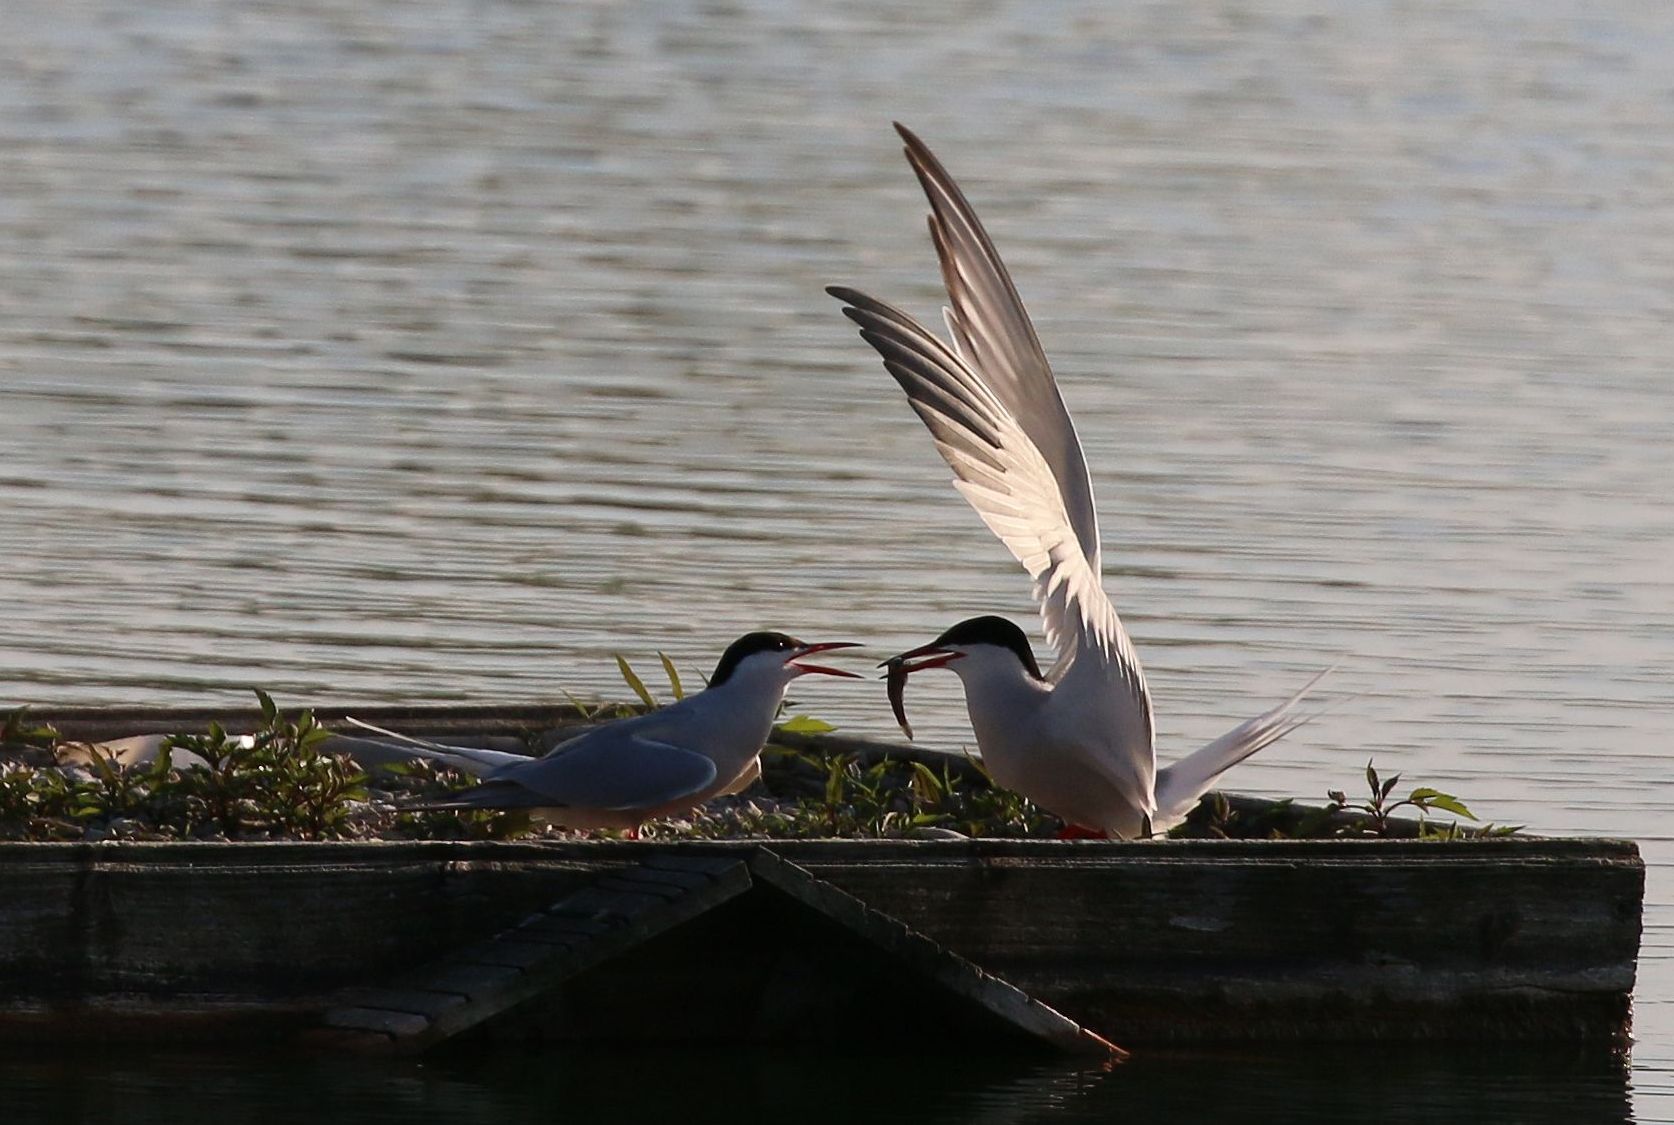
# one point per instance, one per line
(795, 660)
(935, 657)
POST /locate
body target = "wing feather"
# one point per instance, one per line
(611, 768)
(1179, 786)
(995, 337)
(1005, 478)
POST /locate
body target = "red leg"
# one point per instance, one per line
(1078, 832)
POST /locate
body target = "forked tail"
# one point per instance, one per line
(1179, 786)
(475, 761)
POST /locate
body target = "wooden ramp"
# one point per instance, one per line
(758, 946)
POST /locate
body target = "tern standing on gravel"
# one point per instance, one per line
(1079, 740)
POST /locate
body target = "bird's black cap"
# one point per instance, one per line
(992, 630)
(748, 645)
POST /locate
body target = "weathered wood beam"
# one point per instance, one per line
(621, 911)
(1493, 939)
(488, 978)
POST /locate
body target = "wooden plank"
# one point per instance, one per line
(468, 977)
(512, 951)
(600, 903)
(698, 862)
(1522, 944)
(593, 923)
(637, 918)
(924, 958)
(559, 929)
(411, 1001)
(393, 1024)
(1181, 941)
(663, 884)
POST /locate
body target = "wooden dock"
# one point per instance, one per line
(1509, 939)
(1160, 941)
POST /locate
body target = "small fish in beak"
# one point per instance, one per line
(897, 676)
(899, 670)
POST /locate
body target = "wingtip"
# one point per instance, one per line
(1321, 674)
(915, 144)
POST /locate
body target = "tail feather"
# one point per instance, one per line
(473, 760)
(488, 795)
(1179, 786)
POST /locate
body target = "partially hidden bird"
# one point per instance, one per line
(662, 763)
(1079, 739)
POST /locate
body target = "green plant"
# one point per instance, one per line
(842, 794)
(796, 724)
(1218, 816)
(637, 685)
(17, 728)
(39, 804)
(804, 724)
(1377, 809)
(118, 790)
(274, 781)
(1215, 818)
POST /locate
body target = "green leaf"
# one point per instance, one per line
(673, 676)
(1428, 798)
(804, 724)
(270, 710)
(929, 786)
(16, 727)
(834, 780)
(1371, 777)
(634, 682)
(584, 710)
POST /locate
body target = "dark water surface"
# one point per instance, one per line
(745, 1086)
(429, 350)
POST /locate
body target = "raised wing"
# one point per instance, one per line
(994, 337)
(1004, 476)
(610, 768)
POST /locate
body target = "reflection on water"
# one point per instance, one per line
(930, 1086)
(429, 351)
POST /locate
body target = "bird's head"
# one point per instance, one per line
(975, 643)
(773, 657)
(982, 648)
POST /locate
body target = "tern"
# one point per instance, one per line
(659, 764)
(1078, 740)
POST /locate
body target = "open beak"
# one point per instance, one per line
(934, 657)
(899, 670)
(795, 660)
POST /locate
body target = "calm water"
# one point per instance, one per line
(437, 350)
(1320, 1088)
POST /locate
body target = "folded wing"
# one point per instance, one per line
(609, 769)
